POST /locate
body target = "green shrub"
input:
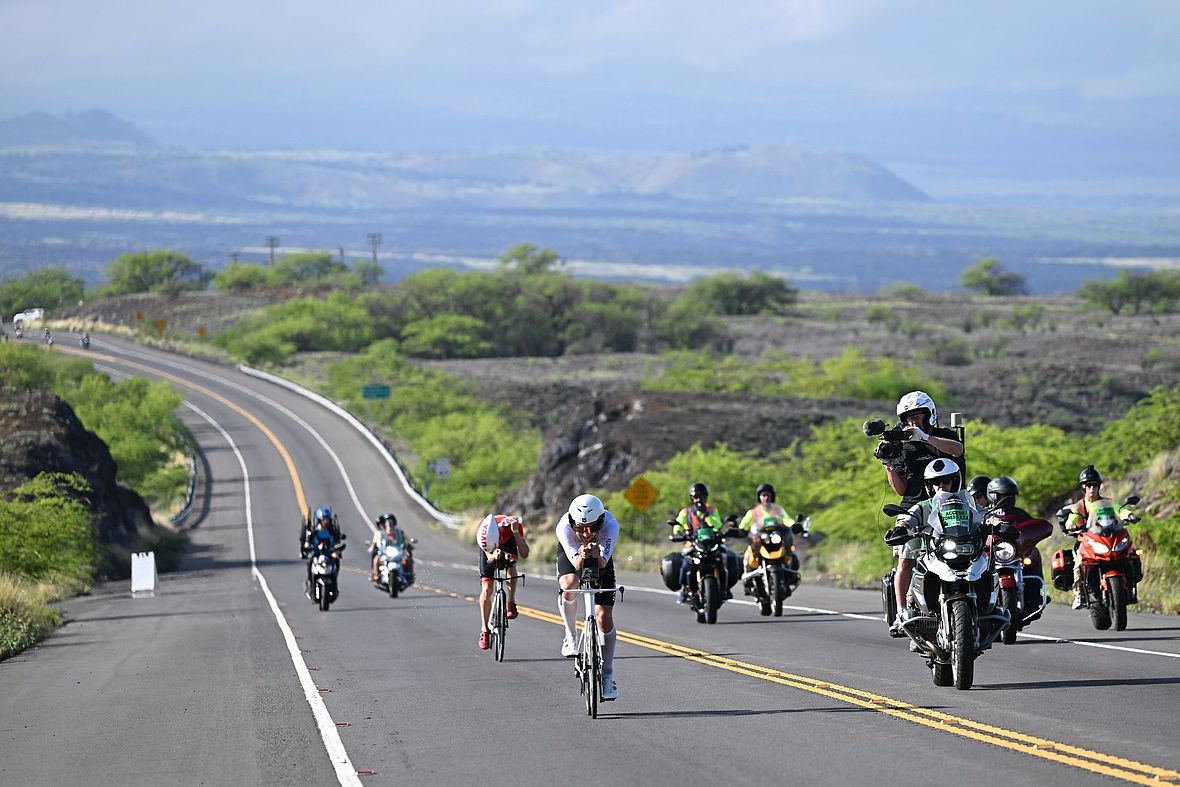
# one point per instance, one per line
(879, 313)
(45, 529)
(739, 294)
(43, 288)
(903, 290)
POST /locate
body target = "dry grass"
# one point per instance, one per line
(25, 614)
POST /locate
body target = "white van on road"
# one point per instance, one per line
(29, 315)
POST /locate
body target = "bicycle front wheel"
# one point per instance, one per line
(593, 667)
(500, 625)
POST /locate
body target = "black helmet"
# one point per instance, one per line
(978, 485)
(387, 517)
(698, 490)
(768, 488)
(1002, 489)
(1089, 476)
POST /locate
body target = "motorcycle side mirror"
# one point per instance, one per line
(1132, 500)
(731, 519)
(892, 509)
(797, 529)
(734, 532)
(677, 537)
(343, 536)
(671, 523)
(413, 541)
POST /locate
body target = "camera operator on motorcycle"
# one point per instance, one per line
(322, 514)
(691, 519)
(498, 536)
(1073, 519)
(588, 532)
(322, 532)
(906, 468)
(752, 522)
(940, 475)
(389, 532)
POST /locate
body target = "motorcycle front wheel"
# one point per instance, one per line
(323, 594)
(763, 596)
(778, 589)
(962, 645)
(1116, 591)
(1010, 602)
(1100, 614)
(710, 599)
(392, 579)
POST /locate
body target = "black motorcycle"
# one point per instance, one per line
(954, 616)
(324, 572)
(709, 574)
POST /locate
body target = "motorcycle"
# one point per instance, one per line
(393, 572)
(777, 573)
(325, 569)
(1111, 568)
(20, 334)
(953, 617)
(709, 576)
(1019, 571)
(85, 342)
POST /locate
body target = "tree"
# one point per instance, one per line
(989, 277)
(155, 271)
(737, 294)
(1156, 292)
(44, 288)
(527, 259)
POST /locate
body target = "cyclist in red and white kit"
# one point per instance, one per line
(498, 535)
(589, 532)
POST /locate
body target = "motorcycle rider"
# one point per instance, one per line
(321, 533)
(390, 532)
(588, 532)
(977, 488)
(928, 442)
(498, 536)
(691, 519)
(940, 475)
(1075, 516)
(322, 514)
(752, 522)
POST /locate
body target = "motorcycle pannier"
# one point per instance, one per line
(1062, 571)
(670, 570)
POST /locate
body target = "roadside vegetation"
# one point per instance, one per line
(48, 546)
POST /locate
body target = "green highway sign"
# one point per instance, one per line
(375, 392)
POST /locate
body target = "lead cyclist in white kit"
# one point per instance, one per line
(589, 532)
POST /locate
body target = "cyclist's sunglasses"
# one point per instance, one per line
(588, 527)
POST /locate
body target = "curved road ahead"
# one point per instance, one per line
(229, 675)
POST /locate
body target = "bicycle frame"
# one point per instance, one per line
(588, 661)
(498, 617)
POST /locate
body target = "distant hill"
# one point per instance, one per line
(95, 159)
(91, 127)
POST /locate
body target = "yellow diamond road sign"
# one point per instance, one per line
(641, 494)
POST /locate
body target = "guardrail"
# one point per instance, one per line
(451, 521)
(189, 493)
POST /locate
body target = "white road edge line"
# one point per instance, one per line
(345, 770)
(853, 615)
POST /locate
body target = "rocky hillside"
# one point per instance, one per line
(40, 433)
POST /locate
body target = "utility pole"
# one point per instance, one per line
(272, 241)
(233, 257)
(375, 242)
(341, 254)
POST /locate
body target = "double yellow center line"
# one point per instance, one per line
(1063, 753)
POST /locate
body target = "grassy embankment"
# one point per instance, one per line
(48, 547)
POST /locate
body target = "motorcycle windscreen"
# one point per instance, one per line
(1103, 518)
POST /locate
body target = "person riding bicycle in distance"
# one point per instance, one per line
(498, 536)
(587, 535)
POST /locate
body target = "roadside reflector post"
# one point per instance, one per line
(143, 574)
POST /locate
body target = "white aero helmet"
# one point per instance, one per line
(940, 468)
(917, 400)
(586, 511)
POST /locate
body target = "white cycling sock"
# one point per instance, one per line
(569, 613)
(608, 651)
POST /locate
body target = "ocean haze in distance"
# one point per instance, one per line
(1030, 101)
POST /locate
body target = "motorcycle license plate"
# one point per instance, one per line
(965, 549)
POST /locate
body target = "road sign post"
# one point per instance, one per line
(641, 494)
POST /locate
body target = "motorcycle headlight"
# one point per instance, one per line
(1099, 549)
(1005, 550)
(1122, 544)
(1027, 560)
(775, 538)
(392, 552)
(949, 545)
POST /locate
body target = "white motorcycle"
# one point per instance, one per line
(393, 558)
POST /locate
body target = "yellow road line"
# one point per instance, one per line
(237, 409)
(1062, 753)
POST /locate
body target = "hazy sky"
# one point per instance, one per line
(982, 89)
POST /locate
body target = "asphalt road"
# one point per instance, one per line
(209, 682)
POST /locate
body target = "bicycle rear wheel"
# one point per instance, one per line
(500, 618)
(593, 669)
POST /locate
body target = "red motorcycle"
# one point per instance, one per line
(1018, 568)
(1110, 567)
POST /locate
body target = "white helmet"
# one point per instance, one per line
(586, 511)
(917, 400)
(940, 468)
